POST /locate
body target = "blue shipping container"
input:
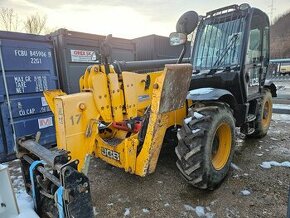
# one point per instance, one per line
(28, 64)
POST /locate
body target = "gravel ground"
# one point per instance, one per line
(247, 191)
(165, 194)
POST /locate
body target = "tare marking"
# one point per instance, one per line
(110, 154)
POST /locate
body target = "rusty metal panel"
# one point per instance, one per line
(175, 87)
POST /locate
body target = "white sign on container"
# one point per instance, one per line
(83, 56)
(45, 122)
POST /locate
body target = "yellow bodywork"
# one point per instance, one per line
(85, 121)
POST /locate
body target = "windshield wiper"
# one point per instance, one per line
(224, 69)
(232, 42)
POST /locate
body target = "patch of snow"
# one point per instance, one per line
(187, 120)
(235, 167)
(110, 204)
(166, 205)
(200, 91)
(188, 207)
(200, 211)
(197, 115)
(3, 166)
(259, 154)
(281, 117)
(245, 192)
(25, 205)
(246, 174)
(95, 211)
(274, 139)
(145, 210)
(240, 140)
(18, 184)
(195, 130)
(127, 212)
(269, 164)
(160, 182)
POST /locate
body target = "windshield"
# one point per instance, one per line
(218, 44)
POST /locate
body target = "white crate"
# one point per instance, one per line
(8, 203)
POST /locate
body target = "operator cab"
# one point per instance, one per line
(230, 57)
(235, 40)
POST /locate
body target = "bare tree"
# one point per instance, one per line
(35, 24)
(8, 19)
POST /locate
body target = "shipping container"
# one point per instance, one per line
(154, 47)
(28, 68)
(76, 51)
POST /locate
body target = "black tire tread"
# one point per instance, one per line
(260, 132)
(190, 148)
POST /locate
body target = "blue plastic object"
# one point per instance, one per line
(32, 179)
(59, 194)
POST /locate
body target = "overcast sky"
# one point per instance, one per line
(125, 18)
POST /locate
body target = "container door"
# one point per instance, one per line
(30, 70)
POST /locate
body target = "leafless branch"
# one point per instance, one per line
(35, 24)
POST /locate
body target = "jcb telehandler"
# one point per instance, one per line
(123, 117)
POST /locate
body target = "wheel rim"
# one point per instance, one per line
(221, 147)
(267, 114)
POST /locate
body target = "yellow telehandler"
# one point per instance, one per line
(122, 117)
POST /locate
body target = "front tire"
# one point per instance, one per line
(264, 116)
(206, 145)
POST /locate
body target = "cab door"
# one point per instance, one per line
(257, 56)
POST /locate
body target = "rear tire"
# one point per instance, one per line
(206, 145)
(264, 116)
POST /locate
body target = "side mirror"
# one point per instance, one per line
(177, 39)
(187, 22)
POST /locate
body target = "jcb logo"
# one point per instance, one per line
(110, 154)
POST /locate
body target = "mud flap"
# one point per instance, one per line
(175, 87)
